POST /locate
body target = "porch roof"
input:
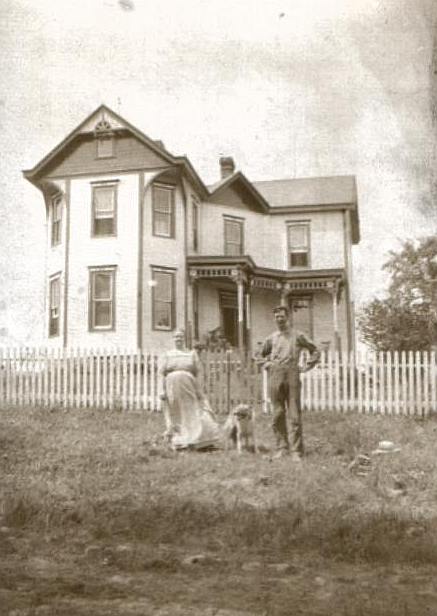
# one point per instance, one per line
(262, 277)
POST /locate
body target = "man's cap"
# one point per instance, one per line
(277, 309)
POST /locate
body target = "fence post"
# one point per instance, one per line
(228, 381)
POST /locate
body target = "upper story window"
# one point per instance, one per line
(163, 299)
(298, 238)
(233, 235)
(102, 298)
(163, 210)
(105, 143)
(195, 223)
(56, 219)
(104, 209)
(54, 305)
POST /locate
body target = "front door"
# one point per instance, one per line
(229, 316)
(301, 314)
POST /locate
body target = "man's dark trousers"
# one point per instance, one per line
(285, 394)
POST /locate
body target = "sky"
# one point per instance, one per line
(289, 88)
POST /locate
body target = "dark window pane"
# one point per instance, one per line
(104, 226)
(102, 314)
(102, 285)
(162, 314)
(54, 326)
(163, 289)
(298, 259)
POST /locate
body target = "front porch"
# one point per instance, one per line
(233, 298)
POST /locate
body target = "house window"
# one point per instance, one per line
(104, 210)
(102, 298)
(195, 223)
(163, 210)
(298, 245)
(105, 146)
(56, 211)
(54, 305)
(233, 233)
(163, 299)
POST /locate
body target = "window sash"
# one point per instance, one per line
(104, 208)
(163, 211)
(54, 306)
(233, 237)
(102, 299)
(195, 226)
(298, 248)
(56, 220)
(163, 300)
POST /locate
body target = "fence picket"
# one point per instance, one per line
(411, 401)
(433, 377)
(419, 383)
(396, 378)
(426, 383)
(389, 384)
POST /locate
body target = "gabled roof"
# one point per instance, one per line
(87, 126)
(235, 179)
(309, 191)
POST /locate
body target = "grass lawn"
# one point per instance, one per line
(98, 518)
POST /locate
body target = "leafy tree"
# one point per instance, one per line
(406, 319)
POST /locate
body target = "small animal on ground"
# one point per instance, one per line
(239, 428)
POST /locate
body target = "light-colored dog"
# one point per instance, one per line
(239, 428)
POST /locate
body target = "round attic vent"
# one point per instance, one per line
(103, 127)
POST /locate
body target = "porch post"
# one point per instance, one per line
(248, 318)
(191, 309)
(238, 277)
(285, 290)
(334, 291)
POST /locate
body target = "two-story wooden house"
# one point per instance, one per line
(138, 245)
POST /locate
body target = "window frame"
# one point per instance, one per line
(95, 186)
(101, 138)
(299, 249)
(101, 269)
(171, 272)
(56, 223)
(171, 188)
(240, 222)
(56, 278)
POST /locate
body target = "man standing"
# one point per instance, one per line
(282, 350)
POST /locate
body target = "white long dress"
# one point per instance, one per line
(190, 424)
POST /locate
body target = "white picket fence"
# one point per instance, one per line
(384, 383)
(387, 383)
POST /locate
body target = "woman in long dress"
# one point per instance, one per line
(189, 422)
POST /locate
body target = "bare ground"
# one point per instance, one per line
(97, 517)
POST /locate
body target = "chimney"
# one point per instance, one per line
(227, 166)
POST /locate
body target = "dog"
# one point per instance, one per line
(239, 428)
